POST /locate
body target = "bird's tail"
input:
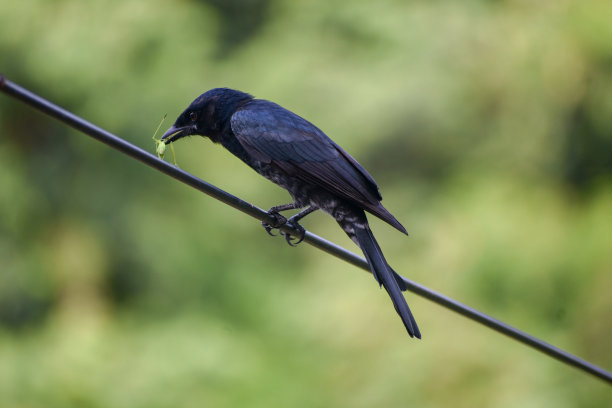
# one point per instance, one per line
(363, 237)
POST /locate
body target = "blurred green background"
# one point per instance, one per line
(487, 125)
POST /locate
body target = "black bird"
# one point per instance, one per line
(296, 155)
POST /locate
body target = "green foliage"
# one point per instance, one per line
(487, 125)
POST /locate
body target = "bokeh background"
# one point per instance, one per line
(487, 124)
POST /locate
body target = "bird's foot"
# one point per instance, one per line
(279, 221)
(291, 240)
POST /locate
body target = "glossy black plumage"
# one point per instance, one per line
(299, 157)
(272, 134)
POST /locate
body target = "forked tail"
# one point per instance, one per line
(362, 235)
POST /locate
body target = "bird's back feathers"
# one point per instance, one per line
(272, 134)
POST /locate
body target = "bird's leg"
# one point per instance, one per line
(279, 220)
(293, 221)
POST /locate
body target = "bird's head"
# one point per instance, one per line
(207, 115)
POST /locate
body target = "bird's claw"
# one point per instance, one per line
(268, 228)
(279, 221)
(289, 237)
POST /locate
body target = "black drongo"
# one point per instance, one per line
(296, 155)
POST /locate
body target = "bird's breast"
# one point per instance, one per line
(306, 194)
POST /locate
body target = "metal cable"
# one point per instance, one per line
(137, 153)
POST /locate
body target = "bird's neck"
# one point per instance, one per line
(232, 144)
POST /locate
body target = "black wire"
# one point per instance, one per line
(115, 142)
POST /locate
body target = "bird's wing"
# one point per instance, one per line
(272, 134)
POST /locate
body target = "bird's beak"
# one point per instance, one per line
(175, 133)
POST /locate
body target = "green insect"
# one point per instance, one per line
(160, 149)
(160, 145)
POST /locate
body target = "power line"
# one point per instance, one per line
(41, 104)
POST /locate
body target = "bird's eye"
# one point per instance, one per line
(193, 116)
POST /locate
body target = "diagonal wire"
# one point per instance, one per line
(41, 104)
